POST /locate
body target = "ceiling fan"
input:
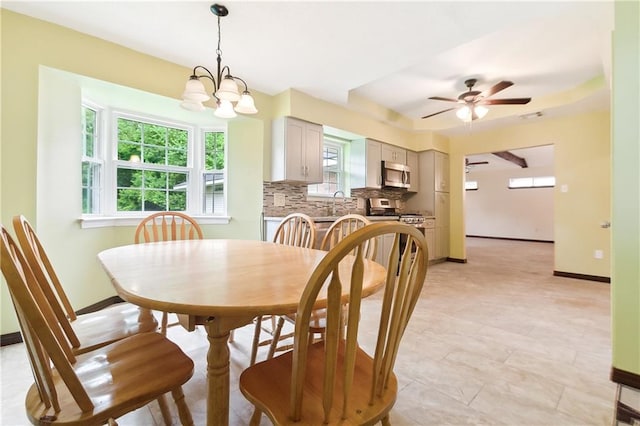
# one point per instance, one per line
(472, 100)
(468, 164)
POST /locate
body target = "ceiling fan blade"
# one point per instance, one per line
(497, 88)
(439, 98)
(475, 163)
(511, 101)
(436, 113)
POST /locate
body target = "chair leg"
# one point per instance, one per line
(112, 422)
(256, 340)
(255, 418)
(165, 323)
(231, 337)
(164, 409)
(183, 408)
(276, 338)
(385, 421)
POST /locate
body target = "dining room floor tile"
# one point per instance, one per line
(496, 341)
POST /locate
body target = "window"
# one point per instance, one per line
(156, 165)
(532, 182)
(332, 169)
(471, 185)
(91, 161)
(214, 170)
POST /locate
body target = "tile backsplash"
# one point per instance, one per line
(295, 196)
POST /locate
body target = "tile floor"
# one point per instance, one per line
(498, 340)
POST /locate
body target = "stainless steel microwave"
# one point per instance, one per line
(395, 175)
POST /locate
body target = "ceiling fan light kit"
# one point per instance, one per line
(472, 101)
(225, 86)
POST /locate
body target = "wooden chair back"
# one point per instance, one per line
(344, 226)
(335, 381)
(59, 394)
(46, 277)
(167, 226)
(37, 324)
(297, 229)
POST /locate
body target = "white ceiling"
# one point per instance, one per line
(396, 54)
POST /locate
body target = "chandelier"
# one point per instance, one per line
(225, 88)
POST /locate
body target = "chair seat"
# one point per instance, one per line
(95, 329)
(132, 371)
(267, 385)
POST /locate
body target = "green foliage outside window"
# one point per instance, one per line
(141, 189)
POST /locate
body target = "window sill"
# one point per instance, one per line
(106, 221)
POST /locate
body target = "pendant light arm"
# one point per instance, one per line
(208, 75)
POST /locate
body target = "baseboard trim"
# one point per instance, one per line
(456, 260)
(511, 239)
(16, 337)
(626, 378)
(100, 305)
(582, 276)
(10, 338)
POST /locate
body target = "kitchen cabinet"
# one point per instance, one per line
(394, 154)
(412, 162)
(432, 197)
(365, 162)
(441, 171)
(430, 236)
(385, 242)
(296, 151)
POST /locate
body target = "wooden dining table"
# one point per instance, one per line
(222, 284)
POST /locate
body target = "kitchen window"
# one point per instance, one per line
(151, 164)
(532, 182)
(332, 169)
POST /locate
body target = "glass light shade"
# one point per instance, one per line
(481, 111)
(192, 105)
(464, 114)
(194, 91)
(245, 104)
(225, 110)
(228, 90)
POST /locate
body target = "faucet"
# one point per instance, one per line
(333, 208)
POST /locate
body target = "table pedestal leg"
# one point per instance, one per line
(217, 374)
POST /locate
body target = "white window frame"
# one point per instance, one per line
(532, 182)
(98, 155)
(109, 216)
(342, 172)
(471, 185)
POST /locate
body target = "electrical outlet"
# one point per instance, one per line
(598, 254)
(279, 200)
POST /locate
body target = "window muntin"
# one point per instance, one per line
(91, 160)
(332, 170)
(532, 182)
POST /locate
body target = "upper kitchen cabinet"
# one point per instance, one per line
(296, 154)
(394, 154)
(365, 161)
(412, 162)
(441, 171)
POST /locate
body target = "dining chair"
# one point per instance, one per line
(296, 229)
(168, 226)
(335, 381)
(85, 332)
(89, 331)
(95, 387)
(339, 229)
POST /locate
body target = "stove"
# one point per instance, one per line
(412, 219)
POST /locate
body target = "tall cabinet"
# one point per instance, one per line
(432, 198)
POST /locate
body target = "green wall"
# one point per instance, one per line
(625, 296)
